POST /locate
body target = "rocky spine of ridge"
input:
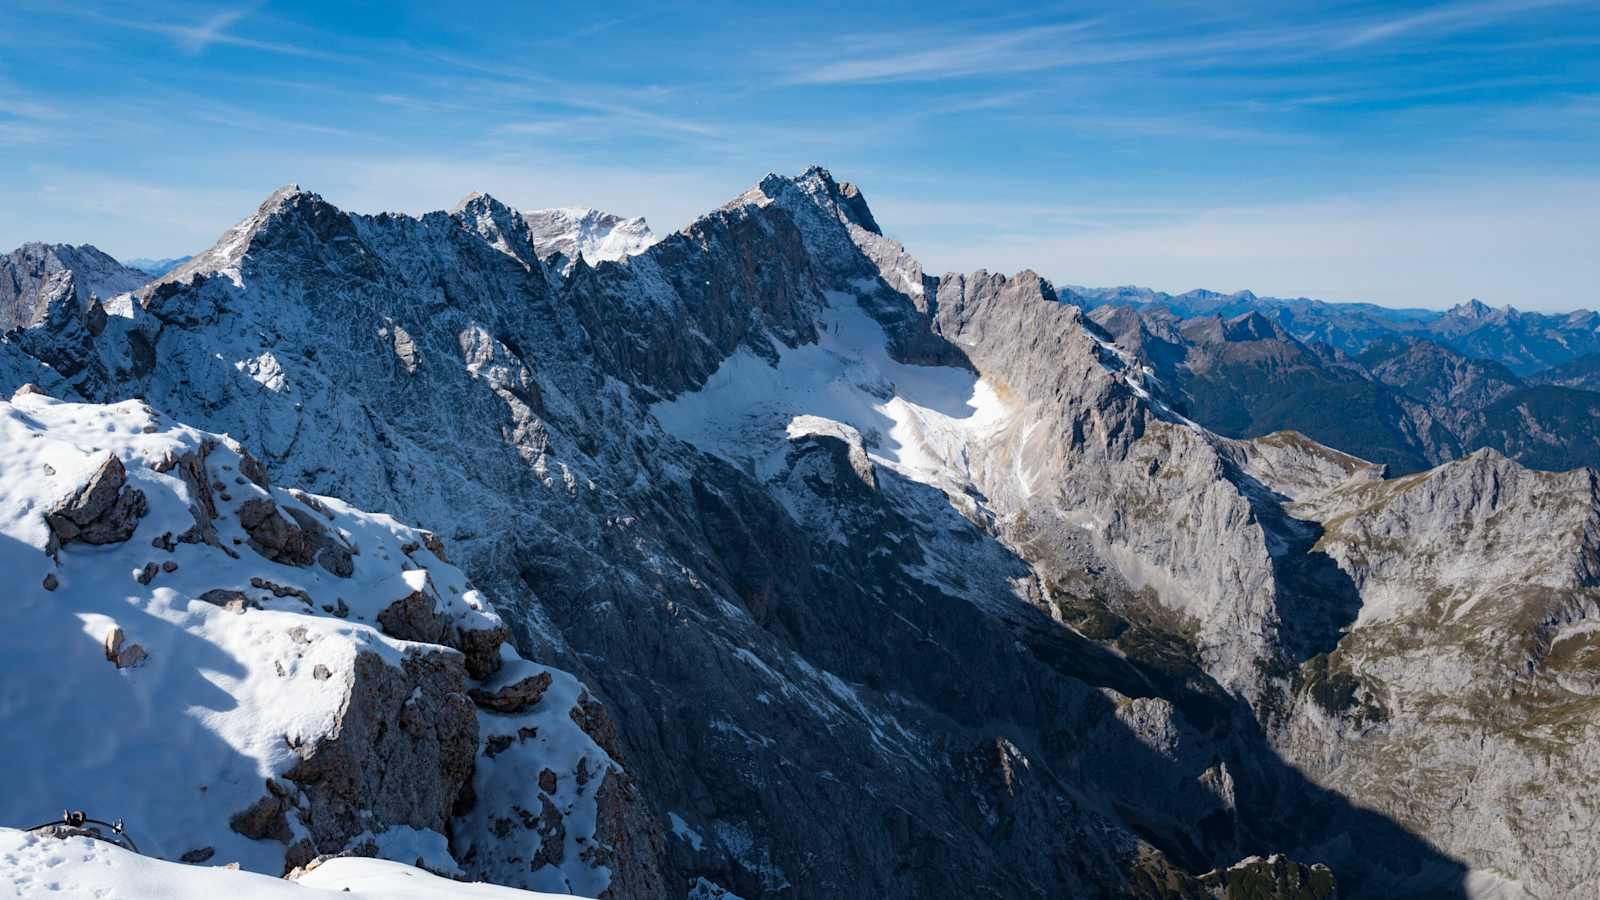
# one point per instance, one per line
(1094, 587)
(563, 236)
(362, 699)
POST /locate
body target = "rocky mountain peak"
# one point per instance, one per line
(36, 274)
(291, 221)
(1473, 309)
(477, 201)
(842, 199)
(500, 225)
(1252, 326)
(283, 195)
(593, 235)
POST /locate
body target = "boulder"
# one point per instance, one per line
(99, 511)
(402, 753)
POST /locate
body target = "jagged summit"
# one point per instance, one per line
(791, 505)
(36, 276)
(842, 198)
(1252, 326)
(1472, 309)
(475, 200)
(285, 193)
(590, 234)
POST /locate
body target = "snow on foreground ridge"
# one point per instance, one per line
(250, 674)
(36, 866)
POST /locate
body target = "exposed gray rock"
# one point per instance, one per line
(561, 237)
(513, 697)
(99, 511)
(371, 773)
(933, 683)
(120, 651)
(27, 274)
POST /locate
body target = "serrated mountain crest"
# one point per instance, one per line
(791, 505)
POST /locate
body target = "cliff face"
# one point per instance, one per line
(1465, 699)
(885, 582)
(38, 278)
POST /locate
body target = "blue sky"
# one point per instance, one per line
(1410, 154)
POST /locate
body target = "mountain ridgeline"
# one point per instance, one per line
(862, 581)
(1406, 397)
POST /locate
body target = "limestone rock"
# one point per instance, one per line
(99, 511)
(119, 651)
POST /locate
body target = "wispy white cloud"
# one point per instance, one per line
(1018, 50)
(1176, 126)
(1386, 94)
(24, 121)
(196, 37)
(23, 108)
(594, 28)
(22, 134)
(952, 54)
(605, 121)
(1444, 18)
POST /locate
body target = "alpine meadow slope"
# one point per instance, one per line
(884, 584)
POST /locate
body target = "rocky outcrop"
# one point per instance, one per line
(298, 543)
(401, 753)
(236, 648)
(1272, 878)
(100, 510)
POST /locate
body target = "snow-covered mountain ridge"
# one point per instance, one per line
(890, 582)
(219, 662)
(571, 233)
(37, 279)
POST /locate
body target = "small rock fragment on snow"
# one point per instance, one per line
(123, 654)
(198, 855)
(230, 600)
(515, 697)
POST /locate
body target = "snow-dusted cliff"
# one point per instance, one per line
(884, 583)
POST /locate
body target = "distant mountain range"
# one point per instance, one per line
(1406, 401)
(1524, 342)
(155, 267)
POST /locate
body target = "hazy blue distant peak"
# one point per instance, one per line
(155, 267)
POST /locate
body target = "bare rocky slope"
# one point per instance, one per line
(1404, 401)
(900, 585)
(41, 280)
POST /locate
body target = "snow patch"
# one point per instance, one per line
(919, 421)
